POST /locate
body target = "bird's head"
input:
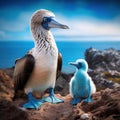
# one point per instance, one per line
(80, 64)
(46, 19)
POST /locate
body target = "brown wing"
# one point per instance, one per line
(59, 65)
(22, 71)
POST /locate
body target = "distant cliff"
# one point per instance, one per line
(104, 67)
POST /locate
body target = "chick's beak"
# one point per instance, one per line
(74, 64)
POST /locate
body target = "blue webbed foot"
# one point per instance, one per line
(32, 103)
(75, 101)
(88, 100)
(51, 98)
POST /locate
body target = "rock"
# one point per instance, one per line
(112, 75)
(6, 87)
(108, 59)
(102, 80)
(106, 106)
(9, 71)
(62, 84)
(85, 116)
(8, 111)
(105, 67)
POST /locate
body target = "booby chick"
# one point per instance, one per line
(81, 84)
(37, 70)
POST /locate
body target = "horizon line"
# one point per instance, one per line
(73, 38)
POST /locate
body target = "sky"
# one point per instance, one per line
(87, 19)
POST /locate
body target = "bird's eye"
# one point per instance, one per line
(45, 19)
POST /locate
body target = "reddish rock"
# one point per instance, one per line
(6, 87)
(106, 105)
(9, 71)
(8, 111)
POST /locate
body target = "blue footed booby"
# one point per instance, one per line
(37, 70)
(81, 84)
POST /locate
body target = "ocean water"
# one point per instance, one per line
(10, 51)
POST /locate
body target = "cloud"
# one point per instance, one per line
(80, 28)
(89, 29)
(20, 23)
(16, 28)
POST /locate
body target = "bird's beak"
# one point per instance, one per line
(54, 24)
(74, 63)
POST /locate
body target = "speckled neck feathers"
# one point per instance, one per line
(43, 39)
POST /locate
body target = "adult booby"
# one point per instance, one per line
(37, 70)
(81, 84)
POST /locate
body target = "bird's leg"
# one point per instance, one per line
(32, 102)
(51, 98)
(89, 99)
(75, 101)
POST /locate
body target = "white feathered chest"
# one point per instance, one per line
(44, 73)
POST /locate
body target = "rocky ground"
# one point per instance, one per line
(106, 105)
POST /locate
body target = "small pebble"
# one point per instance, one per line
(85, 116)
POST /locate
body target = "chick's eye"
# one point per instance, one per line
(80, 64)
